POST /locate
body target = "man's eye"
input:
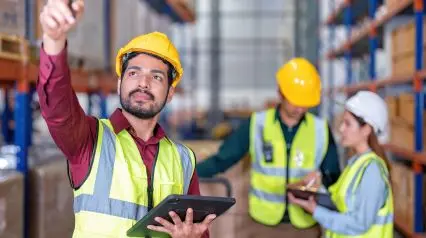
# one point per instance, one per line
(156, 77)
(132, 73)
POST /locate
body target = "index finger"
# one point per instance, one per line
(65, 8)
(189, 216)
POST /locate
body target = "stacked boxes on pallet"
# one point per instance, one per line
(51, 199)
(403, 54)
(401, 112)
(11, 204)
(401, 116)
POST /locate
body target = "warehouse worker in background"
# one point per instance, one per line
(123, 166)
(363, 193)
(286, 144)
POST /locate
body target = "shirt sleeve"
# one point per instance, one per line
(232, 150)
(368, 199)
(330, 167)
(73, 132)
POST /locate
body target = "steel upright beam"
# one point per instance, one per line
(419, 102)
(103, 104)
(22, 113)
(297, 32)
(348, 53)
(107, 34)
(372, 40)
(215, 70)
(330, 64)
(6, 118)
(90, 104)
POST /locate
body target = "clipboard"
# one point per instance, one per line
(201, 205)
(321, 199)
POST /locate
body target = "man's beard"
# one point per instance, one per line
(138, 111)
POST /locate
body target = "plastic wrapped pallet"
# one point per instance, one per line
(11, 204)
(51, 199)
(86, 41)
(12, 17)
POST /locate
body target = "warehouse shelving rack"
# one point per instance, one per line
(366, 41)
(18, 72)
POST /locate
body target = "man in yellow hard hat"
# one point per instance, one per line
(287, 145)
(123, 166)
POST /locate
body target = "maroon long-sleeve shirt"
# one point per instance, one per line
(73, 131)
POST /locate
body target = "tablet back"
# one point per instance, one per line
(202, 206)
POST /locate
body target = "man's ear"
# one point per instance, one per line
(119, 86)
(170, 94)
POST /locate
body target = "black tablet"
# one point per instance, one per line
(201, 205)
(322, 199)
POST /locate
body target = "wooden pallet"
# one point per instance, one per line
(13, 48)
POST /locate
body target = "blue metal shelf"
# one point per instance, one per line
(367, 41)
(360, 10)
(162, 7)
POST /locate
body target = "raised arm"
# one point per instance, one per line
(71, 129)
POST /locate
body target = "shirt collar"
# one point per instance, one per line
(355, 157)
(119, 122)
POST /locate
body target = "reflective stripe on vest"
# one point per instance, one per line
(345, 188)
(96, 201)
(267, 193)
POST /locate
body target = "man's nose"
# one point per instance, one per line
(144, 81)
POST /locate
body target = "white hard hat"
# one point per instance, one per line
(373, 110)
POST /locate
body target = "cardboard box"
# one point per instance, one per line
(393, 107)
(12, 17)
(403, 192)
(403, 48)
(11, 204)
(404, 65)
(402, 134)
(406, 107)
(51, 203)
(403, 39)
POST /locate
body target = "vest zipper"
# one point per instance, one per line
(286, 213)
(151, 184)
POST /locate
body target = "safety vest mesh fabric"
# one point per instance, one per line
(267, 197)
(347, 185)
(114, 195)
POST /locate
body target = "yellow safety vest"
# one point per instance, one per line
(346, 186)
(115, 194)
(267, 197)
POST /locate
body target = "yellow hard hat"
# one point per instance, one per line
(154, 43)
(300, 83)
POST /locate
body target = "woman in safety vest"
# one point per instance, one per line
(362, 194)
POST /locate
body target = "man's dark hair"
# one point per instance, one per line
(171, 72)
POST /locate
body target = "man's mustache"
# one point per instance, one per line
(138, 90)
